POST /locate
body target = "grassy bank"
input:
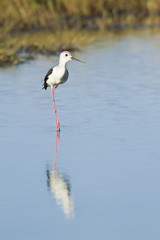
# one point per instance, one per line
(56, 20)
(18, 48)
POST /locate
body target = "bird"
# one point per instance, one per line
(58, 75)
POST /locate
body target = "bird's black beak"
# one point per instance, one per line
(73, 58)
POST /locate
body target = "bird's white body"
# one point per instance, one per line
(58, 76)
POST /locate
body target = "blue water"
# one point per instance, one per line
(103, 182)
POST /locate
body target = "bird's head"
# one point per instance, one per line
(66, 57)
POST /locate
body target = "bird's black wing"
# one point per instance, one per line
(46, 78)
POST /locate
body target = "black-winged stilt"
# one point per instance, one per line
(58, 75)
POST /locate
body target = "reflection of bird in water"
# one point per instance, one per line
(60, 186)
(58, 75)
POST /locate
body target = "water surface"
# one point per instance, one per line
(100, 178)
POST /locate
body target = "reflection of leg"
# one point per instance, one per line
(56, 150)
(55, 110)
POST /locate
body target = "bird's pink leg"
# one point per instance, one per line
(55, 110)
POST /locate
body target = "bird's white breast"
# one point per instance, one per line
(58, 76)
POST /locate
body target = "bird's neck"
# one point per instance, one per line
(62, 64)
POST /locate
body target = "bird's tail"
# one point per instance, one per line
(44, 86)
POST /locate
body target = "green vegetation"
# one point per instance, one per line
(18, 48)
(50, 17)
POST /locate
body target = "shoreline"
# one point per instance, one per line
(19, 47)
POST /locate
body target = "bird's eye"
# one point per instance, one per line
(66, 55)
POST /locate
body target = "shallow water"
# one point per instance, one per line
(100, 178)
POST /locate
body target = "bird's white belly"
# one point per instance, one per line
(58, 76)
